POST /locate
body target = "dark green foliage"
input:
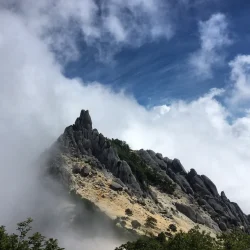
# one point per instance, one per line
(144, 174)
(21, 240)
(128, 212)
(161, 238)
(169, 235)
(237, 240)
(193, 240)
(151, 222)
(144, 243)
(135, 224)
(172, 227)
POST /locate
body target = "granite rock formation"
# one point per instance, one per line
(80, 141)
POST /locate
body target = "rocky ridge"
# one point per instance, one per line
(90, 164)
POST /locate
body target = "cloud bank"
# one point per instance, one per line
(37, 102)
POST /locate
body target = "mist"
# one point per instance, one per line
(37, 102)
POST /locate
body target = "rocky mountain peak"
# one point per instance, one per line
(160, 186)
(83, 121)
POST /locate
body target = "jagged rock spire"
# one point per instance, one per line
(84, 121)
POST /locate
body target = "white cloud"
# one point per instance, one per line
(146, 18)
(115, 27)
(37, 102)
(163, 109)
(240, 78)
(214, 37)
(110, 23)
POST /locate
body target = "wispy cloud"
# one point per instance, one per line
(107, 25)
(240, 81)
(214, 38)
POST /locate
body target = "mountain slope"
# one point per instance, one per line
(132, 187)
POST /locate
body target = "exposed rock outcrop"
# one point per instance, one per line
(190, 213)
(80, 140)
(95, 152)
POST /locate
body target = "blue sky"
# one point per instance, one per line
(156, 72)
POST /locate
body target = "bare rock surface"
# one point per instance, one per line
(87, 162)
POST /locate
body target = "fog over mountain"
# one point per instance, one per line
(37, 101)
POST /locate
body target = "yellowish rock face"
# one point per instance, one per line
(96, 188)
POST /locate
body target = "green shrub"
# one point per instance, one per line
(172, 227)
(151, 222)
(237, 240)
(135, 224)
(192, 240)
(128, 212)
(21, 241)
(144, 243)
(143, 173)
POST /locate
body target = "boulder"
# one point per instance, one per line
(153, 196)
(141, 201)
(159, 156)
(210, 185)
(85, 171)
(115, 186)
(181, 181)
(190, 213)
(216, 206)
(156, 157)
(177, 167)
(198, 180)
(147, 157)
(123, 172)
(207, 207)
(202, 191)
(167, 160)
(191, 174)
(222, 226)
(117, 180)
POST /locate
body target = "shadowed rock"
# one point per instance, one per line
(224, 197)
(190, 213)
(210, 185)
(222, 226)
(84, 121)
(85, 171)
(177, 167)
(80, 140)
